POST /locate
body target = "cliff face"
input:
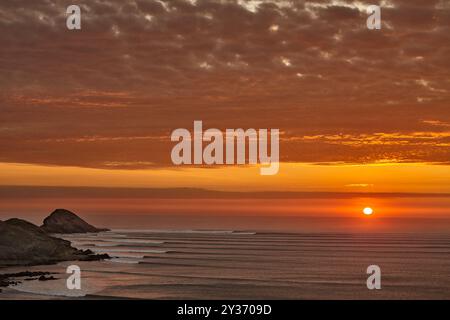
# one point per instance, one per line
(64, 221)
(23, 243)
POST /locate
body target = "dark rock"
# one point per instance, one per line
(28, 275)
(25, 274)
(97, 257)
(44, 278)
(64, 221)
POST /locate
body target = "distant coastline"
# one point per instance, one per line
(30, 192)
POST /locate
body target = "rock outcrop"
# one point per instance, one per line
(23, 243)
(65, 221)
(5, 279)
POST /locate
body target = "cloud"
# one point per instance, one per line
(142, 68)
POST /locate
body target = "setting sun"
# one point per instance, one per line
(368, 211)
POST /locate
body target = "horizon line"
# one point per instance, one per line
(38, 191)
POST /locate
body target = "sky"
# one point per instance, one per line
(358, 110)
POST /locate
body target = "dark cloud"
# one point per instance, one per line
(112, 92)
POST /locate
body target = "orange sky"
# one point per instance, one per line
(109, 95)
(393, 190)
(358, 110)
(387, 177)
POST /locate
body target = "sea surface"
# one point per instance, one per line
(232, 264)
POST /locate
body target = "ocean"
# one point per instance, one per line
(249, 264)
